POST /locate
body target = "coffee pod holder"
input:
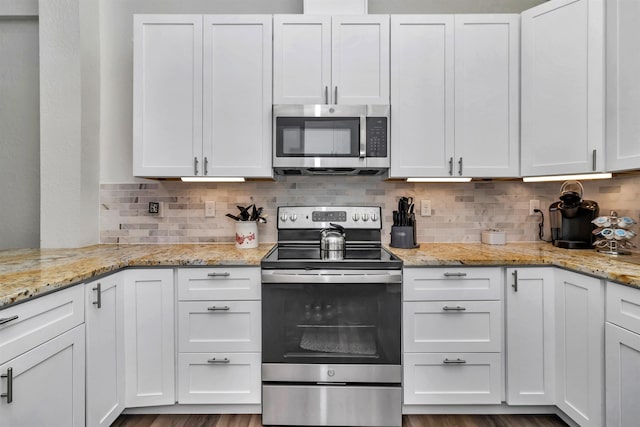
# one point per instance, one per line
(403, 237)
(613, 234)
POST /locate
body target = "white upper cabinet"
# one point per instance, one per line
(331, 60)
(487, 100)
(623, 91)
(563, 87)
(237, 95)
(455, 95)
(200, 107)
(167, 94)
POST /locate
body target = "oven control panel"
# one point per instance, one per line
(310, 217)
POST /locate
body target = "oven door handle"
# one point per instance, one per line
(335, 276)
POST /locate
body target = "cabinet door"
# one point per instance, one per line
(301, 59)
(445, 326)
(219, 378)
(623, 376)
(422, 92)
(530, 336)
(623, 91)
(167, 95)
(360, 59)
(580, 347)
(452, 378)
(105, 350)
(47, 384)
(219, 326)
(487, 95)
(563, 87)
(149, 337)
(237, 95)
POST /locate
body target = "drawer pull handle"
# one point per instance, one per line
(98, 301)
(456, 308)
(455, 274)
(458, 361)
(214, 360)
(9, 377)
(214, 308)
(515, 281)
(8, 319)
(225, 274)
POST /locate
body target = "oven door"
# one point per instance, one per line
(347, 323)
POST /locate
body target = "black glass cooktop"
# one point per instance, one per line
(309, 257)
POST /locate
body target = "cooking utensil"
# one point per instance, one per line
(233, 217)
(332, 242)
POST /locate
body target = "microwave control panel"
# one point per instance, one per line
(376, 137)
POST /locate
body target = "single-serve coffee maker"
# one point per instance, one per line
(571, 217)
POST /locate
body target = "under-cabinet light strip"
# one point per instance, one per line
(211, 179)
(444, 179)
(567, 177)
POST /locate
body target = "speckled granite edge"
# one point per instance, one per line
(25, 274)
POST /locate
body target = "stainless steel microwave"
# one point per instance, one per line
(330, 139)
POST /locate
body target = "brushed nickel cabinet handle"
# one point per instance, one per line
(515, 281)
(460, 166)
(206, 166)
(326, 94)
(450, 166)
(8, 319)
(195, 166)
(223, 360)
(335, 99)
(595, 159)
(455, 274)
(456, 308)
(9, 393)
(458, 361)
(225, 274)
(214, 308)
(98, 301)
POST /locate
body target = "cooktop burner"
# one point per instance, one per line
(309, 257)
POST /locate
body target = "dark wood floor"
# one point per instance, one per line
(407, 421)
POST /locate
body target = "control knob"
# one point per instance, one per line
(374, 217)
(365, 217)
(356, 217)
(283, 217)
(294, 217)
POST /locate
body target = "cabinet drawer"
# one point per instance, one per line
(469, 326)
(40, 320)
(623, 306)
(464, 283)
(233, 283)
(219, 326)
(452, 378)
(219, 378)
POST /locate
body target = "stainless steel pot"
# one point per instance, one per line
(332, 243)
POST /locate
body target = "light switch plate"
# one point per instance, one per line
(210, 209)
(425, 208)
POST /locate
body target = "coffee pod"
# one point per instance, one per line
(602, 221)
(625, 222)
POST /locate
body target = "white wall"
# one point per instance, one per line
(117, 55)
(19, 130)
(69, 175)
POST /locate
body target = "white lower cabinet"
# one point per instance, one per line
(452, 378)
(149, 337)
(47, 384)
(622, 356)
(452, 336)
(530, 336)
(219, 340)
(104, 310)
(580, 347)
(219, 378)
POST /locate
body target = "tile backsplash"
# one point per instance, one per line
(459, 211)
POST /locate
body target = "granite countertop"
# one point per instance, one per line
(27, 273)
(608, 267)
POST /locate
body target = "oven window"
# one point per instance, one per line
(317, 137)
(331, 323)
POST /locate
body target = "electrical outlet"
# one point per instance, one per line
(425, 208)
(209, 209)
(533, 204)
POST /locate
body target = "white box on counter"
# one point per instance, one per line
(494, 237)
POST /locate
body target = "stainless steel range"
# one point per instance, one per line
(331, 334)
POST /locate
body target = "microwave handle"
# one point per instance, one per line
(363, 137)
